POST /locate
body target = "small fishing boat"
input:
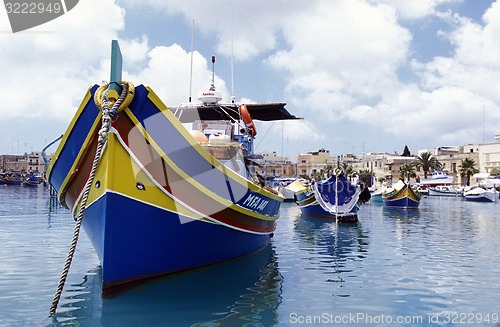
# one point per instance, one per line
(31, 180)
(279, 184)
(479, 194)
(438, 177)
(334, 197)
(445, 190)
(154, 197)
(11, 179)
(376, 194)
(401, 195)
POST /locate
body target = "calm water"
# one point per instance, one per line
(439, 264)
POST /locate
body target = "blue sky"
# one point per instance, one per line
(366, 75)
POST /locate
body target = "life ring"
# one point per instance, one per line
(247, 119)
(126, 101)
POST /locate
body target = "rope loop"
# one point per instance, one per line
(127, 95)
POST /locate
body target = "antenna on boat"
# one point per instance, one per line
(191, 70)
(211, 96)
(212, 86)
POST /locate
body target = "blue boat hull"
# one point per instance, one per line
(156, 241)
(402, 203)
(316, 210)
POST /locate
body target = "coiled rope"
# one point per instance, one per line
(107, 114)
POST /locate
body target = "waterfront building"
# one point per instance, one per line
(29, 162)
(489, 157)
(311, 163)
(273, 165)
(384, 166)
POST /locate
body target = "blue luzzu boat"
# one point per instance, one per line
(159, 198)
(401, 195)
(334, 198)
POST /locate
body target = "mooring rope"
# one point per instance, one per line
(103, 136)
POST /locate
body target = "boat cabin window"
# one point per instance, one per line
(214, 127)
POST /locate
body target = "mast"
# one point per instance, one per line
(232, 52)
(191, 69)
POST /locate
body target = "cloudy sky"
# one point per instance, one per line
(366, 75)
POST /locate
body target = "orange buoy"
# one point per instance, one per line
(247, 119)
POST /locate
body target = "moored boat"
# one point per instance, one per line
(31, 180)
(334, 198)
(157, 198)
(11, 179)
(279, 184)
(438, 177)
(479, 194)
(401, 195)
(376, 193)
(445, 190)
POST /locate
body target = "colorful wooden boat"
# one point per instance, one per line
(334, 198)
(401, 195)
(11, 179)
(31, 180)
(164, 199)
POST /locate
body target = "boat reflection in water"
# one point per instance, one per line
(400, 213)
(238, 292)
(331, 245)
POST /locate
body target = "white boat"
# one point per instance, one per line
(279, 184)
(438, 177)
(376, 195)
(486, 181)
(444, 190)
(479, 194)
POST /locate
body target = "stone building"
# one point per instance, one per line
(26, 163)
(312, 162)
(273, 165)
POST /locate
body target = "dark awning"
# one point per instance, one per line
(265, 112)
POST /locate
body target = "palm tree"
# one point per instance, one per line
(365, 176)
(467, 169)
(407, 171)
(328, 169)
(427, 162)
(348, 170)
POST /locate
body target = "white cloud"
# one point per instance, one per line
(342, 53)
(410, 9)
(251, 26)
(168, 73)
(46, 70)
(339, 62)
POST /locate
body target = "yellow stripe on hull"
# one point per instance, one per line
(118, 173)
(218, 165)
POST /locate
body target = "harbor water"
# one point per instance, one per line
(436, 265)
